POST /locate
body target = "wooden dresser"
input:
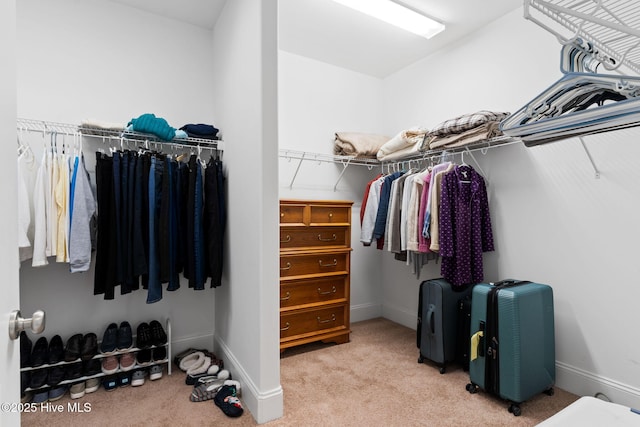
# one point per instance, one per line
(315, 250)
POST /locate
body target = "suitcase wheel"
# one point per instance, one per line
(442, 370)
(472, 388)
(515, 409)
(549, 392)
(420, 359)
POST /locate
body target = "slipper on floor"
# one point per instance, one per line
(206, 391)
(226, 399)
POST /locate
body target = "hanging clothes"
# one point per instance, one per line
(465, 226)
(215, 220)
(82, 219)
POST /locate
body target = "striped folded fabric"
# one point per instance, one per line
(466, 121)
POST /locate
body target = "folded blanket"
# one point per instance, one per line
(402, 145)
(358, 144)
(466, 121)
(149, 123)
(99, 127)
(480, 133)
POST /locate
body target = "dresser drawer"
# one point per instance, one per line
(320, 237)
(314, 264)
(321, 214)
(315, 291)
(292, 214)
(312, 321)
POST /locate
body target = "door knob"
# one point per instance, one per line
(18, 324)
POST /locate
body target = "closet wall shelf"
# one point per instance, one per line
(403, 163)
(611, 27)
(111, 136)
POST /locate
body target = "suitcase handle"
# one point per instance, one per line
(430, 318)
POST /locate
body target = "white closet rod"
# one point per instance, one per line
(111, 136)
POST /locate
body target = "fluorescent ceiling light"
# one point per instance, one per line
(397, 15)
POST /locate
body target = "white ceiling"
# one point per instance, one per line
(335, 34)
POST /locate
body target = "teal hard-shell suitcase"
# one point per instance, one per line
(512, 341)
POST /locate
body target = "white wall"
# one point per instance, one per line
(553, 221)
(97, 59)
(247, 317)
(315, 101)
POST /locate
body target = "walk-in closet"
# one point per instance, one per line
(562, 200)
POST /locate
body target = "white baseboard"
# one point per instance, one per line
(400, 315)
(362, 312)
(583, 383)
(264, 406)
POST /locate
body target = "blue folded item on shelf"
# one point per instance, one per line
(200, 130)
(149, 123)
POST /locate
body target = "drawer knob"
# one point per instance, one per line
(330, 215)
(333, 319)
(288, 267)
(332, 291)
(331, 239)
(335, 262)
(285, 328)
(281, 214)
(286, 239)
(286, 297)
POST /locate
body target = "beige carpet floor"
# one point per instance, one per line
(374, 380)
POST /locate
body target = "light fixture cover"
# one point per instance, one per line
(398, 15)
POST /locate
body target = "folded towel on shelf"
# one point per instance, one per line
(358, 144)
(99, 127)
(404, 144)
(149, 123)
(466, 121)
(480, 133)
(200, 130)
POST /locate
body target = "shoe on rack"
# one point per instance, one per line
(110, 365)
(227, 400)
(91, 367)
(143, 336)
(77, 390)
(26, 346)
(158, 336)
(109, 339)
(159, 353)
(25, 380)
(137, 378)
(41, 396)
(125, 337)
(56, 350)
(143, 357)
(40, 352)
(89, 347)
(124, 379)
(73, 371)
(55, 376)
(127, 361)
(155, 372)
(91, 385)
(73, 348)
(38, 377)
(56, 393)
(110, 382)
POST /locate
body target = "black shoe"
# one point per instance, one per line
(91, 367)
(143, 336)
(40, 353)
(110, 339)
(89, 346)
(143, 357)
(72, 350)
(158, 336)
(125, 337)
(38, 378)
(25, 350)
(158, 353)
(56, 350)
(73, 371)
(227, 400)
(55, 376)
(25, 380)
(124, 379)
